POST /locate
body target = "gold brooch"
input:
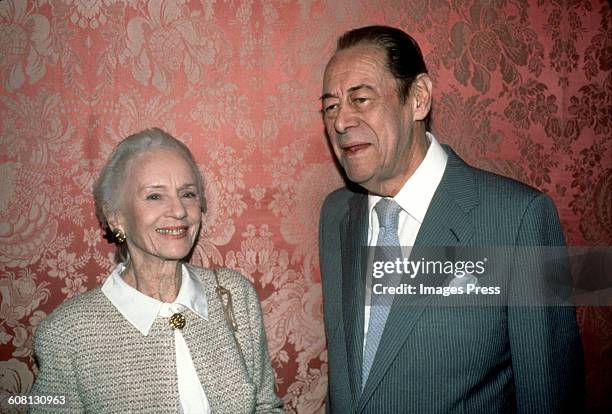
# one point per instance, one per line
(177, 321)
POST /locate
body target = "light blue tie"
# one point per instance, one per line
(387, 249)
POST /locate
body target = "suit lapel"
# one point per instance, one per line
(354, 238)
(446, 224)
(447, 218)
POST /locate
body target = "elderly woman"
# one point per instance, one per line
(159, 335)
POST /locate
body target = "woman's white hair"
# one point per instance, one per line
(108, 187)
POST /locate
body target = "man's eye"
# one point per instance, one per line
(190, 194)
(360, 100)
(154, 196)
(330, 108)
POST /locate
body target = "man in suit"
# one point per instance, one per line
(411, 356)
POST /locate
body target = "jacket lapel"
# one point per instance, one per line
(446, 224)
(354, 238)
(216, 358)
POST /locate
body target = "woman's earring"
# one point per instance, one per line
(119, 235)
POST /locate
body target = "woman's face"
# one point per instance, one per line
(160, 206)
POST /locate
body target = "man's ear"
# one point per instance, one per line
(420, 95)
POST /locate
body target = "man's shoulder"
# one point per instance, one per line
(512, 200)
(338, 196)
(500, 203)
(503, 181)
(491, 187)
(340, 201)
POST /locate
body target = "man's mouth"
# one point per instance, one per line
(354, 149)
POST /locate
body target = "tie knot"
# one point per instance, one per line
(388, 212)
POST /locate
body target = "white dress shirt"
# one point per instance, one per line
(414, 198)
(141, 311)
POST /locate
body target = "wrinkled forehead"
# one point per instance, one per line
(365, 51)
(157, 163)
(357, 64)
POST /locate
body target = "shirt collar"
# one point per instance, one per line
(141, 310)
(416, 193)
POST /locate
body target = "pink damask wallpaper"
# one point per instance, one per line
(523, 88)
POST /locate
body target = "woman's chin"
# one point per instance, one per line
(170, 255)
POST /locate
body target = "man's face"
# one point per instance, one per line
(370, 131)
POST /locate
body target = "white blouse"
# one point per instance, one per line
(141, 311)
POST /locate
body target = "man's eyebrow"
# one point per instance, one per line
(351, 89)
(360, 86)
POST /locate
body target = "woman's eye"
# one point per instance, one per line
(153, 196)
(190, 194)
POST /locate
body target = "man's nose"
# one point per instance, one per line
(345, 119)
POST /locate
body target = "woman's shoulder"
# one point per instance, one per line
(75, 311)
(225, 276)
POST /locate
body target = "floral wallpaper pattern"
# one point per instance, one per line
(522, 88)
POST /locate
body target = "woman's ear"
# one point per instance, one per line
(421, 91)
(114, 220)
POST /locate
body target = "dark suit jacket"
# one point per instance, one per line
(434, 359)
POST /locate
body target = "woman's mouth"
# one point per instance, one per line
(172, 231)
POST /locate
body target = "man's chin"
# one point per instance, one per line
(358, 177)
(364, 180)
(370, 184)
